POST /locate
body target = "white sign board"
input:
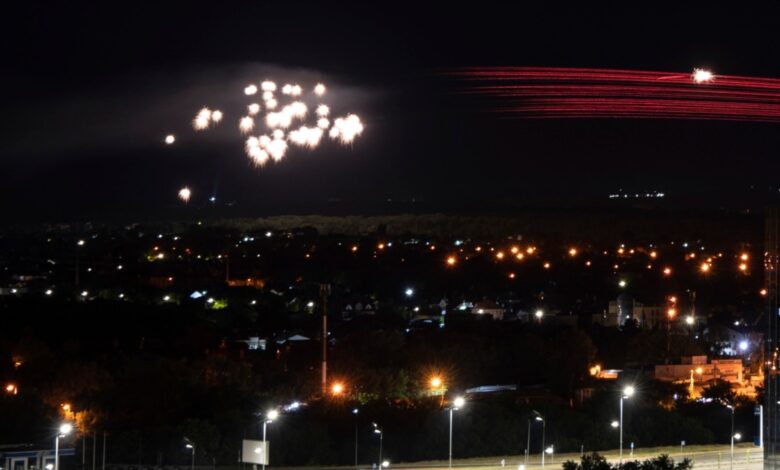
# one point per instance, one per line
(254, 452)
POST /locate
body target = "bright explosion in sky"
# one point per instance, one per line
(272, 124)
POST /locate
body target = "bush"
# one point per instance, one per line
(595, 461)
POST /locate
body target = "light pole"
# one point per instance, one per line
(457, 403)
(355, 412)
(544, 425)
(191, 445)
(378, 430)
(270, 416)
(64, 430)
(737, 437)
(79, 244)
(627, 392)
(731, 408)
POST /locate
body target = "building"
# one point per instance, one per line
(488, 307)
(626, 308)
(698, 372)
(27, 457)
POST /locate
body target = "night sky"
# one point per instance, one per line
(92, 89)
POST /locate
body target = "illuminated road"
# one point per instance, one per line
(714, 457)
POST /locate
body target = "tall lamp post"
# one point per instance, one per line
(627, 393)
(79, 244)
(190, 445)
(528, 442)
(737, 437)
(544, 425)
(731, 408)
(378, 430)
(355, 412)
(270, 416)
(64, 430)
(457, 403)
(536, 417)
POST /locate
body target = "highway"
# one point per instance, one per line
(711, 457)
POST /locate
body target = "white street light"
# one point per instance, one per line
(614, 424)
(627, 393)
(190, 445)
(409, 292)
(457, 404)
(270, 416)
(733, 436)
(378, 430)
(537, 417)
(64, 430)
(355, 412)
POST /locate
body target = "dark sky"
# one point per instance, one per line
(91, 89)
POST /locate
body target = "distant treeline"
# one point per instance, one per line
(571, 224)
(607, 225)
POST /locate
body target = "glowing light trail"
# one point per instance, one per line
(538, 93)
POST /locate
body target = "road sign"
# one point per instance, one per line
(254, 452)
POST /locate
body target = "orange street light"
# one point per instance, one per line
(451, 260)
(337, 389)
(436, 382)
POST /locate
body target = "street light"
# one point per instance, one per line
(79, 243)
(270, 416)
(355, 412)
(378, 430)
(627, 393)
(539, 314)
(733, 436)
(544, 430)
(537, 417)
(190, 445)
(438, 387)
(64, 430)
(457, 404)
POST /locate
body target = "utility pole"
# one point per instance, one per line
(324, 296)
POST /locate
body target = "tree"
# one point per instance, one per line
(595, 461)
